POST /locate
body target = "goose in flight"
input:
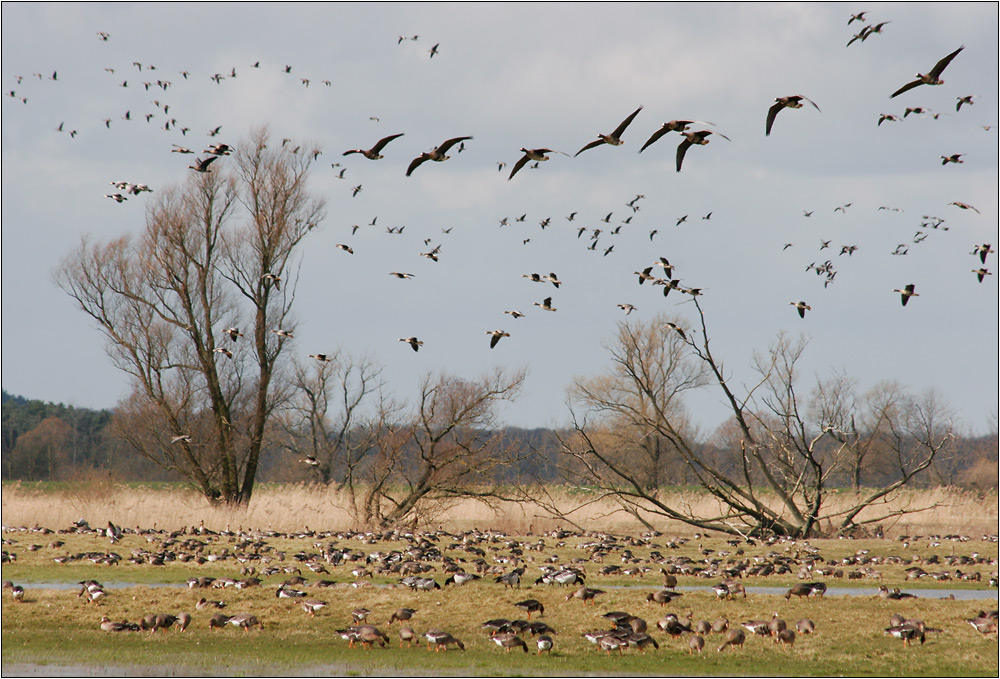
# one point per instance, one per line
(201, 165)
(272, 278)
(515, 314)
(283, 333)
(497, 334)
(413, 342)
(907, 292)
(374, 153)
(346, 248)
(672, 126)
(627, 308)
(234, 333)
(690, 138)
(615, 138)
(437, 155)
(982, 251)
(794, 101)
(546, 304)
(932, 78)
(536, 155)
(677, 328)
(802, 307)
(398, 274)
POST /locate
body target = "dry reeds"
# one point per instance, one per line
(292, 507)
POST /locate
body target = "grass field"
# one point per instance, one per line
(55, 627)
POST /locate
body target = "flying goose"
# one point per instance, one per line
(201, 165)
(794, 101)
(907, 292)
(615, 138)
(546, 304)
(802, 307)
(438, 154)
(413, 342)
(234, 333)
(536, 155)
(700, 137)
(932, 78)
(374, 153)
(497, 334)
(672, 126)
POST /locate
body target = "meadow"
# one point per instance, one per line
(55, 627)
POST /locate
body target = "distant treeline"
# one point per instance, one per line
(55, 442)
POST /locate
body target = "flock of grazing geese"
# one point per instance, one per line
(491, 556)
(690, 133)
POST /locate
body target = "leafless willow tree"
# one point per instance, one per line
(191, 309)
(400, 464)
(771, 467)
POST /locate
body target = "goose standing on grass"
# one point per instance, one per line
(734, 638)
(438, 155)
(794, 101)
(615, 138)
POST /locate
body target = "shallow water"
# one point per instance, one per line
(958, 594)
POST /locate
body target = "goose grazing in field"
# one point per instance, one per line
(310, 606)
(785, 637)
(805, 626)
(734, 638)
(585, 594)
(794, 101)
(530, 606)
(613, 139)
(497, 334)
(401, 614)
(508, 641)
(662, 597)
(931, 78)
(907, 292)
(544, 644)
(696, 644)
(374, 153)
(441, 640)
(437, 155)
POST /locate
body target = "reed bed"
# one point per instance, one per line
(292, 507)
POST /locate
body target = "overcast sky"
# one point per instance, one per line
(534, 75)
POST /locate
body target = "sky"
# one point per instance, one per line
(534, 75)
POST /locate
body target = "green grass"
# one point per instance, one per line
(57, 627)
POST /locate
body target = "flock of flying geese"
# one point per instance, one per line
(690, 132)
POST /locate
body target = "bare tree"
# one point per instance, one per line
(770, 467)
(333, 418)
(197, 310)
(450, 446)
